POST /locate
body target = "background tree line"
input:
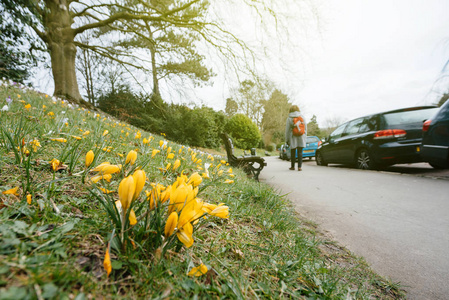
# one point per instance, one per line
(145, 43)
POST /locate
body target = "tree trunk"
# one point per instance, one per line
(60, 41)
(152, 48)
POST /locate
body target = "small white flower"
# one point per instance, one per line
(5, 108)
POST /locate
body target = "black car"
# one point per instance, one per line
(377, 140)
(435, 141)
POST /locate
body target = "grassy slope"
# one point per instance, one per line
(262, 251)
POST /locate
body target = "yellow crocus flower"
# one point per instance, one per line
(191, 212)
(89, 158)
(55, 164)
(171, 224)
(126, 191)
(195, 179)
(105, 132)
(165, 195)
(12, 191)
(34, 144)
(107, 262)
(29, 199)
(110, 169)
(170, 155)
(97, 178)
(131, 157)
(179, 196)
(132, 218)
(220, 211)
(61, 140)
(139, 180)
(185, 235)
(198, 271)
(208, 207)
(176, 164)
(105, 190)
(154, 152)
(101, 166)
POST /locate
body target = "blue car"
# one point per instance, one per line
(313, 142)
(309, 151)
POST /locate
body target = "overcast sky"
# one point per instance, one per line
(376, 56)
(367, 57)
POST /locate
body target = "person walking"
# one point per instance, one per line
(295, 135)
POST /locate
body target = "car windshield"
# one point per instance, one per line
(409, 117)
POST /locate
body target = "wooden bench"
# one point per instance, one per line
(252, 165)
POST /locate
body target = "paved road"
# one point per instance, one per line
(398, 222)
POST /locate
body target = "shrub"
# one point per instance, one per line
(202, 127)
(271, 147)
(244, 132)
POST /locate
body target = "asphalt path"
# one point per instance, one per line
(397, 219)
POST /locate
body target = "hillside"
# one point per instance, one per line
(95, 208)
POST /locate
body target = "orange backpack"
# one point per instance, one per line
(298, 126)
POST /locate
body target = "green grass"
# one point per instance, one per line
(55, 246)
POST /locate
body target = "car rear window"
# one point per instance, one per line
(409, 117)
(312, 139)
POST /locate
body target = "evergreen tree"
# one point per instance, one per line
(15, 60)
(274, 117)
(313, 128)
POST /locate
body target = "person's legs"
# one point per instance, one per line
(292, 158)
(299, 158)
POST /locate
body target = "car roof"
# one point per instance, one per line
(398, 110)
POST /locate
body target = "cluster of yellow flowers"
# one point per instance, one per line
(123, 181)
(178, 201)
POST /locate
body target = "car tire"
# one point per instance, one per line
(364, 160)
(320, 160)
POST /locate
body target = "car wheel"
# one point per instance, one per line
(364, 160)
(319, 159)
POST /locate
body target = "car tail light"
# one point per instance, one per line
(319, 143)
(425, 125)
(389, 134)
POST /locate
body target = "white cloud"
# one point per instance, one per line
(376, 56)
